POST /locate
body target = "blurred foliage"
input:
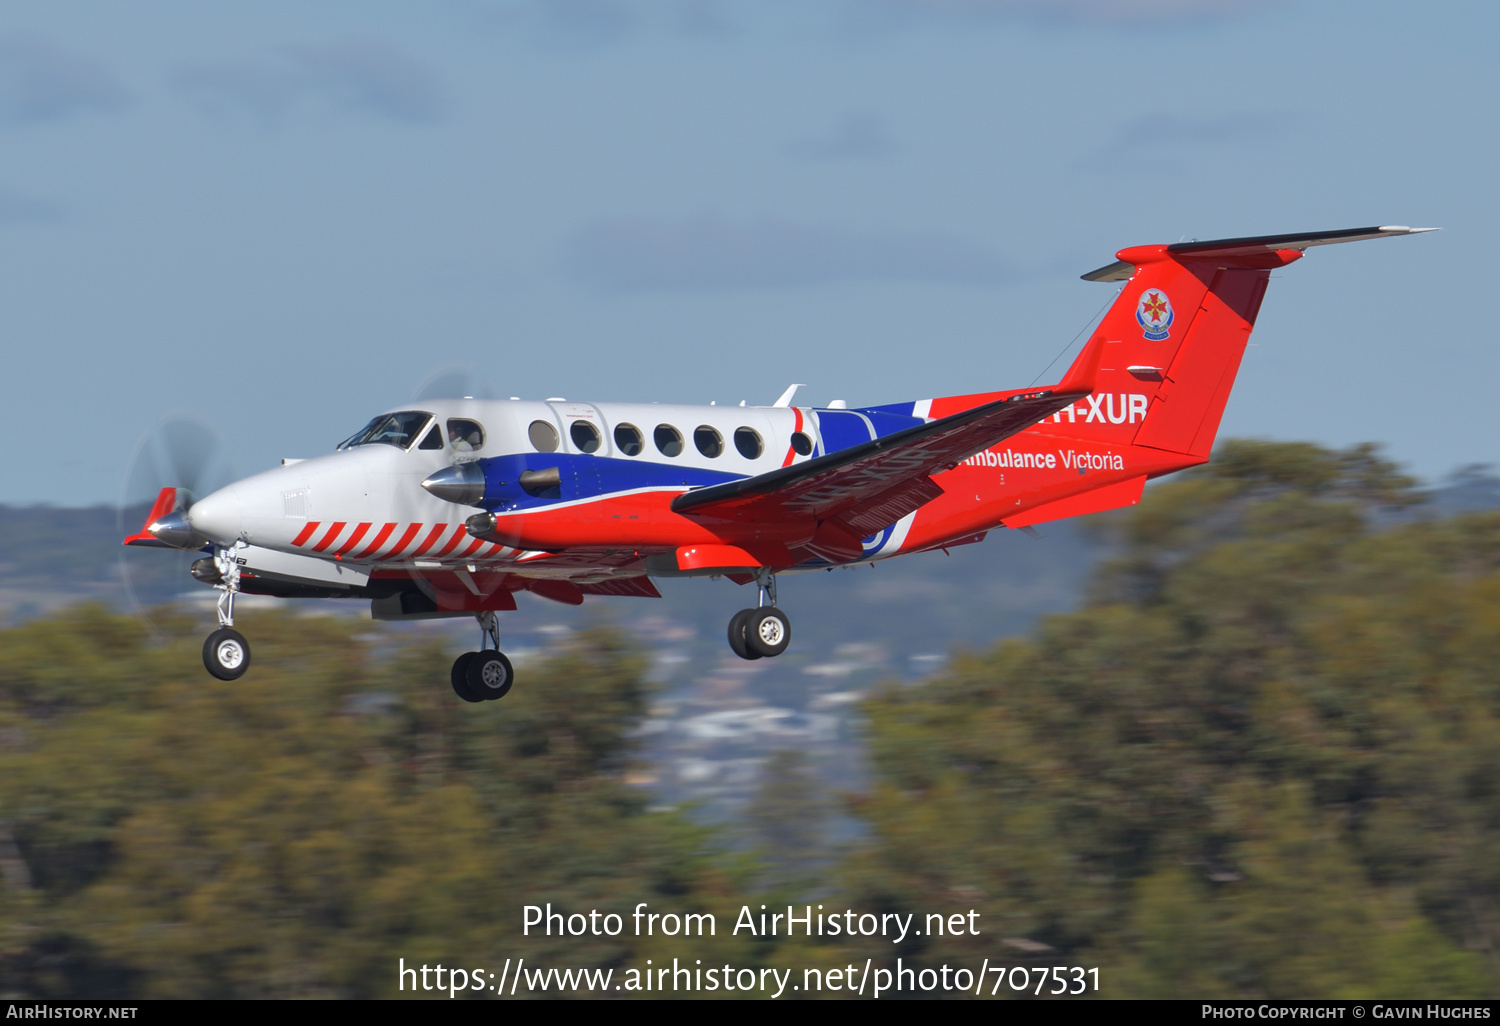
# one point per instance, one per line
(1263, 761)
(166, 835)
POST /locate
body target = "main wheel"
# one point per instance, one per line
(460, 677)
(226, 654)
(737, 640)
(767, 631)
(490, 675)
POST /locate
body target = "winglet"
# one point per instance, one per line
(786, 397)
(1080, 376)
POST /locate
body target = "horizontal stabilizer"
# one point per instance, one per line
(1209, 249)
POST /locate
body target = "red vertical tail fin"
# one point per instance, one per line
(1173, 340)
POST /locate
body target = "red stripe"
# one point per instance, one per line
(305, 533)
(432, 537)
(479, 543)
(333, 532)
(359, 532)
(400, 546)
(459, 534)
(385, 532)
(791, 453)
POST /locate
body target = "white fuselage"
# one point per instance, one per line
(364, 506)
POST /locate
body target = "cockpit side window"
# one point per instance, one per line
(465, 435)
(398, 429)
(433, 439)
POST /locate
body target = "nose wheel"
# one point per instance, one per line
(764, 631)
(226, 653)
(486, 675)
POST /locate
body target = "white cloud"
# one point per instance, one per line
(357, 75)
(41, 82)
(859, 135)
(707, 252)
(1112, 12)
(18, 209)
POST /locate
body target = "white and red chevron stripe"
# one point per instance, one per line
(452, 539)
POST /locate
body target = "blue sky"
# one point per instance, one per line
(281, 218)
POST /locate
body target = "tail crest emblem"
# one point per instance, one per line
(1154, 313)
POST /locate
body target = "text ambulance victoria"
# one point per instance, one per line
(449, 508)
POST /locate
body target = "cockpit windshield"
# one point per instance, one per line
(398, 429)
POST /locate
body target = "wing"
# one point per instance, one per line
(867, 487)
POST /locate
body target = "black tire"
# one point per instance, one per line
(226, 654)
(767, 631)
(737, 642)
(490, 675)
(459, 677)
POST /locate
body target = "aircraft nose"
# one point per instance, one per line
(218, 516)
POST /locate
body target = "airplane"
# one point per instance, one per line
(449, 508)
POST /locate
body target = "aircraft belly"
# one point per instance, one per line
(302, 569)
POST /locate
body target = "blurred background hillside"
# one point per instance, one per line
(1243, 740)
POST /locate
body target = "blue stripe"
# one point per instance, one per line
(896, 409)
(890, 419)
(583, 477)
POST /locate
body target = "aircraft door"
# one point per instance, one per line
(584, 433)
(583, 429)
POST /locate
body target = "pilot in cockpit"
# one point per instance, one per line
(457, 439)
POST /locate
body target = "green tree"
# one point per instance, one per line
(296, 833)
(1261, 761)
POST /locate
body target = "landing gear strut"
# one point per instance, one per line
(485, 675)
(226, 653)
(765, 630)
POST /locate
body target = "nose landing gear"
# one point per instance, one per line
(764, 631)
(485, 675)
(226, 653)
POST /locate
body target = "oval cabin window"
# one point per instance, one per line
(747, 442)
(709, 442)
(628, 439)
(668, 440)
(543, 436)
(585, 436)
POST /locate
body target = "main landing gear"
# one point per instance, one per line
(226, 653)
(763, 631)
(485, 675)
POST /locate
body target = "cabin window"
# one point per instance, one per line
(628, 439)
(748, 442)
(464, 435)
(398, 429)
(668, 440)
(709, 442)
(585, 436)
(543, 436)
(802, 444)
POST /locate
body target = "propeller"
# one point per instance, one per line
(456, 382)
(182, 451)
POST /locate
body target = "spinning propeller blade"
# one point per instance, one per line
(181, 452)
